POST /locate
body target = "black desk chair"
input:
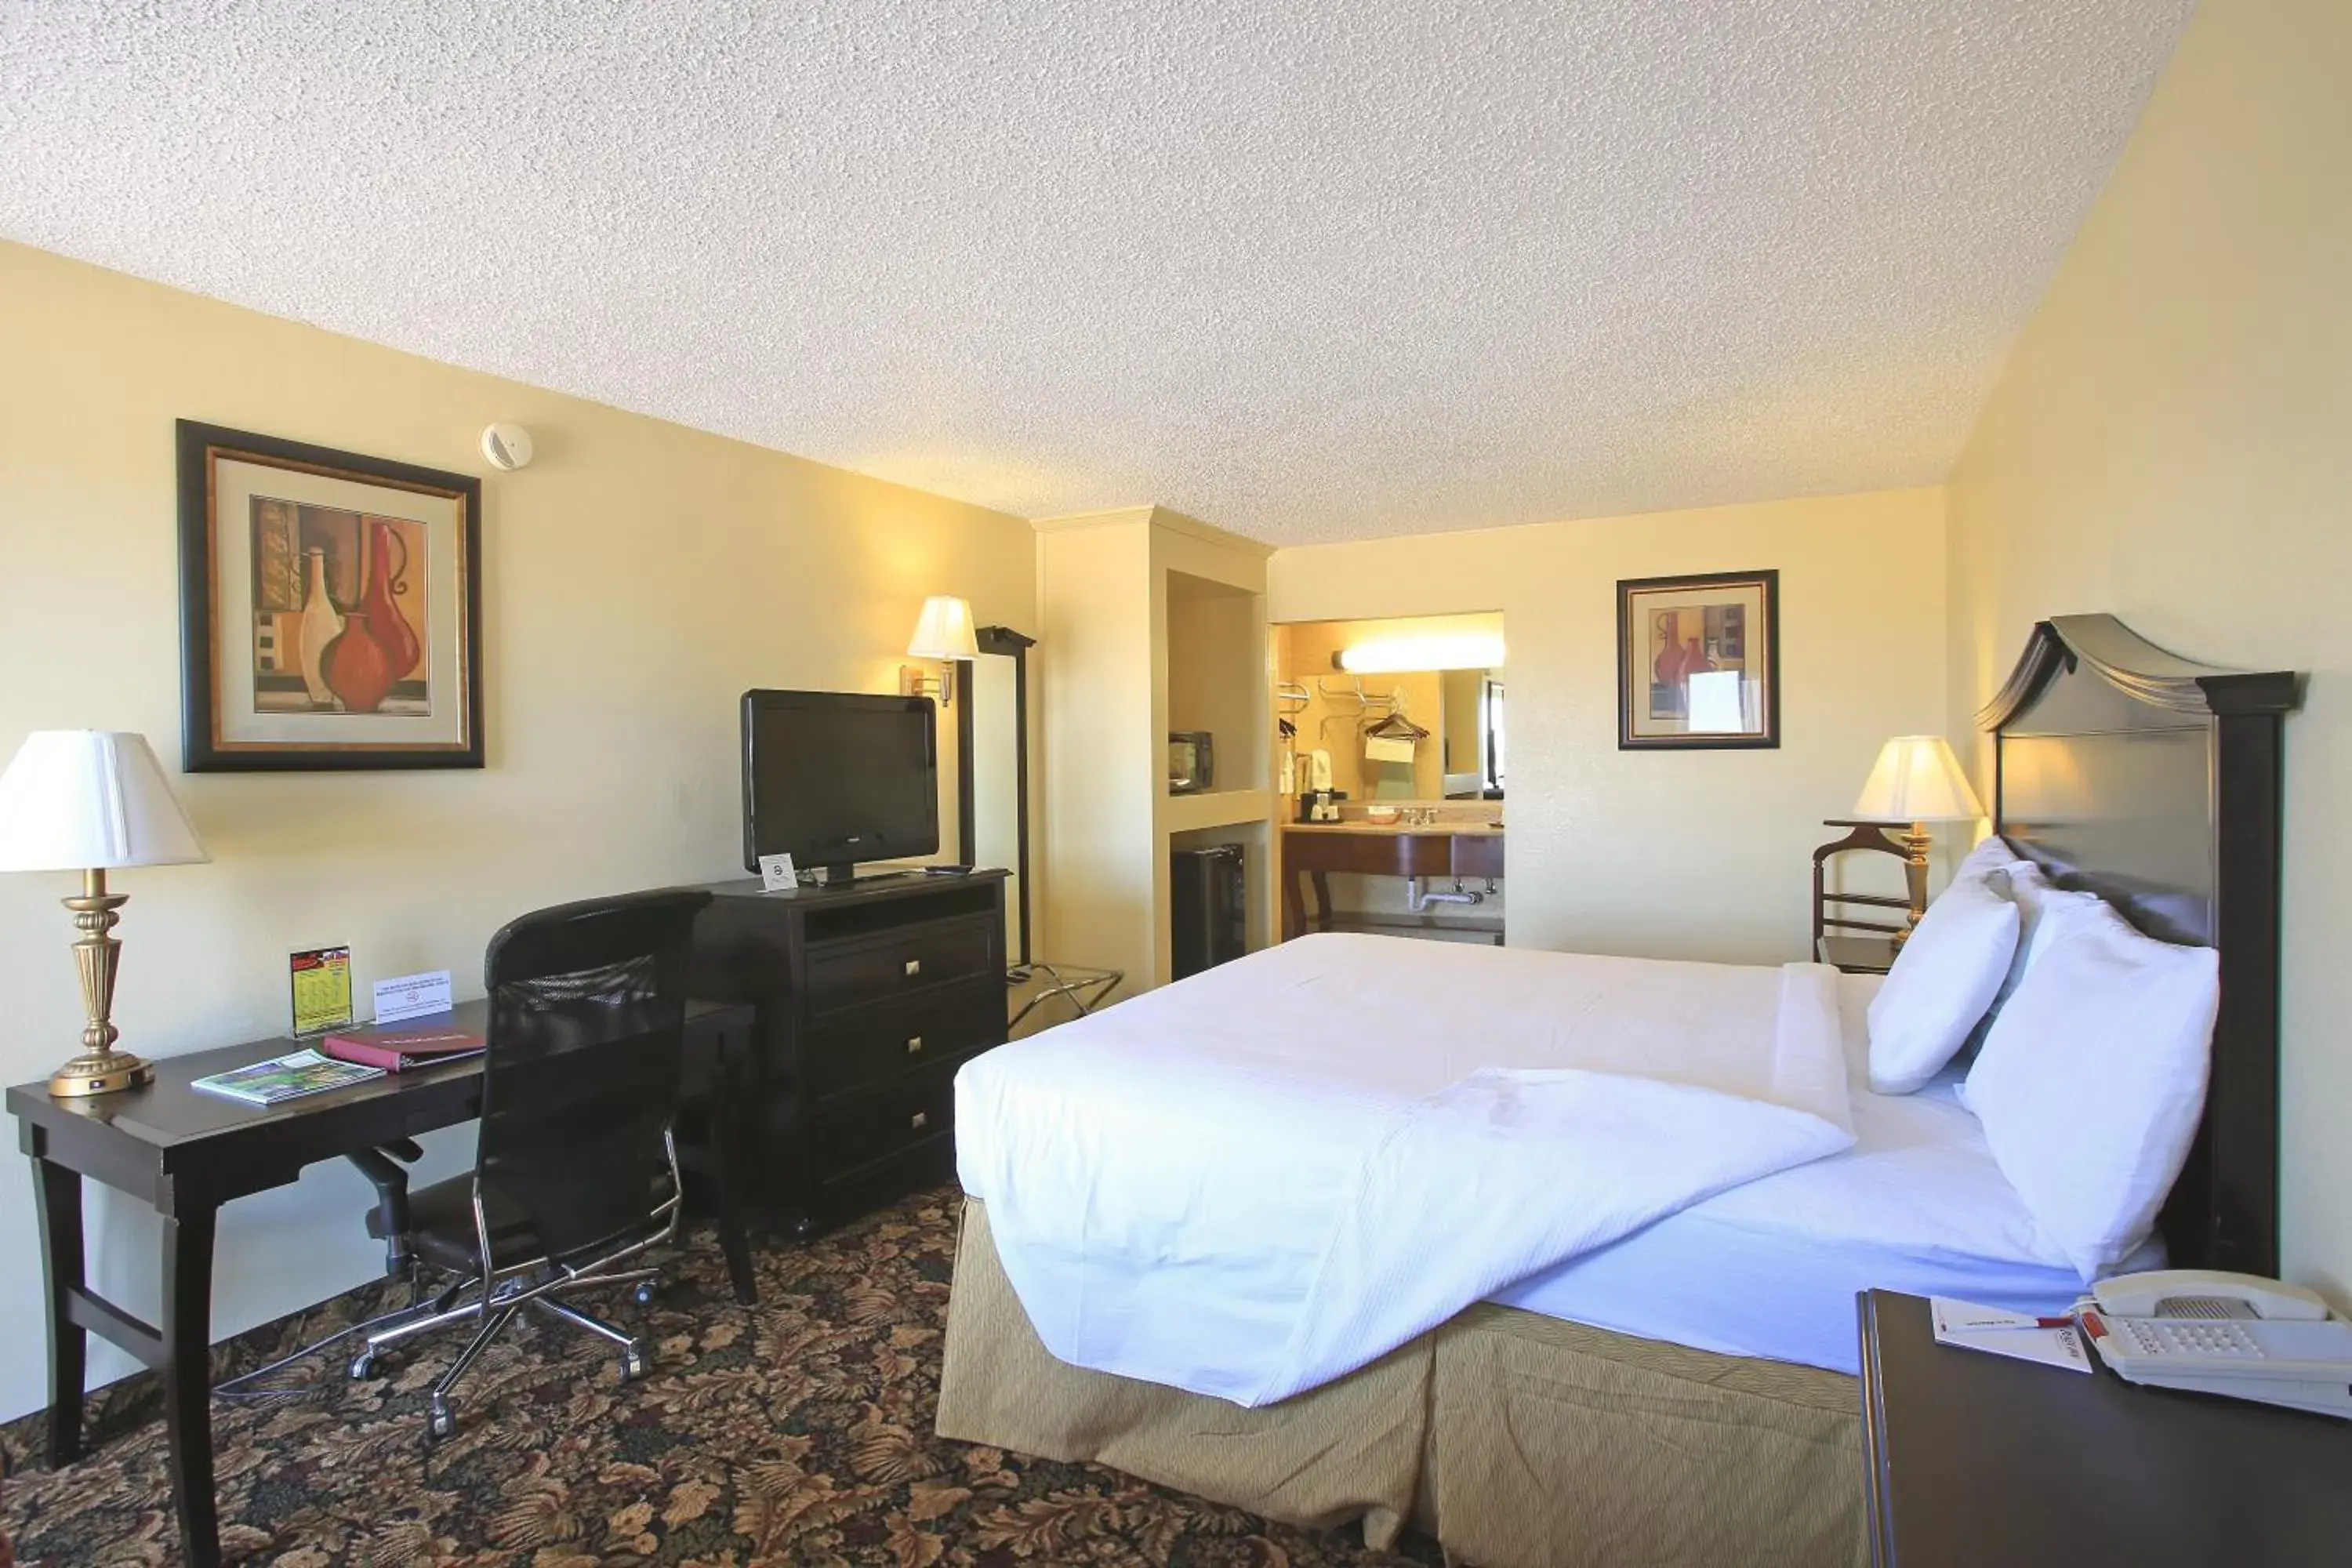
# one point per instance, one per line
(576, 1168)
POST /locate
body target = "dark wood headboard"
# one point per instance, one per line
(2154, 782)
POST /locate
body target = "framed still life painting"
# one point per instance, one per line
(331, 608)
(1698, 661)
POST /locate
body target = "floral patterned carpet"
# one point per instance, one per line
(795, 1432)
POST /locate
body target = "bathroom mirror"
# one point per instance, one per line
(1470, 733)
(1409, 710)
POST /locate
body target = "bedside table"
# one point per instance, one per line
(1974, 1459)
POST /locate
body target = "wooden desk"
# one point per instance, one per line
(1315, 849)
(187, 1152)
(1972, 1460)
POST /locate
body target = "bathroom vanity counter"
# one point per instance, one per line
(1313, 850)
(1400, 829)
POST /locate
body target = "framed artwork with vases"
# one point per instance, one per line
(1698, 662)
(331, 608)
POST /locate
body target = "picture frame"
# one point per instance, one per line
(1698, 662)
(331, 608)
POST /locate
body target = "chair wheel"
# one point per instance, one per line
(441, 1421)
(633, 1363)
(646, 1291)
(363, 1366)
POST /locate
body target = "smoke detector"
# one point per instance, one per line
(507, 446)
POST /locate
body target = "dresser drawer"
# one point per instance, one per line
(864, 1045)
(870, 970)
(845, 1196)
(876, 1122)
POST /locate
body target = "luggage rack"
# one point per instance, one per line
(1086, 988)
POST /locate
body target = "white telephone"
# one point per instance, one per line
(2223, 1333)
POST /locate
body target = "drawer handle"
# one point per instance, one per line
(914, 1044)
(921, 1120)
(914, 967)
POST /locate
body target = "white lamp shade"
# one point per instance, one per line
(1918, 779)
(84, 800)
(944, 630)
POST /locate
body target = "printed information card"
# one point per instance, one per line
(412, 996)
(322, 989)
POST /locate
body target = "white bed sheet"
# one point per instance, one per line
(1772, 1269)
(1253, 1180)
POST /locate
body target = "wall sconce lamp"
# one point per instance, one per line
(943, 632)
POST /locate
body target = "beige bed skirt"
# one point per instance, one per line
(1519, 1441)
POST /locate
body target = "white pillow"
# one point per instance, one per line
(2034, 893)
(1990, 855)
(1943, 980)
(2091, 1080)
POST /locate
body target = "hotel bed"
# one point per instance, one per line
(1677, 1390)
(1772, 1269)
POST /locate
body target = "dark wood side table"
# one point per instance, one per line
(1858, 954)
(1971, 1461)
(187, 1152)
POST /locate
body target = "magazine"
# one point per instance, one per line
(289, 1076)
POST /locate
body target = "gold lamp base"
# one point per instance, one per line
(1915, 845)
(95, 1073)
(100, 1068)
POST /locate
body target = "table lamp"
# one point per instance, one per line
(1918, 781)
(91, 801)
(943, 632)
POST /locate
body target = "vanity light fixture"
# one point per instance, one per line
(1427, 650)
(943, 632)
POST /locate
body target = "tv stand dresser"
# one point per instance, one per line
(868, 998)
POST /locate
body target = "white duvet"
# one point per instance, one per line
(1261, 1178)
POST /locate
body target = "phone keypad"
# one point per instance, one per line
(2177, 1336)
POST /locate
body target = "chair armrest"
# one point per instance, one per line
(391, 1184)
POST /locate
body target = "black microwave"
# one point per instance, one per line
(1191, 762)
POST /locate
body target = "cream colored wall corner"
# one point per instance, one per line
(1105, 584)
(1096, 648)
(2171, 442)
(639, 576)
(1672, 854)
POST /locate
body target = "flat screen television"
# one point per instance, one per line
(832, 778)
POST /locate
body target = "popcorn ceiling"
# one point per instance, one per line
(1310, 270)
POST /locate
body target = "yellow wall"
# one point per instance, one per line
(2171, 442)
(1105, 764)
(1672, 854)
(639, 576)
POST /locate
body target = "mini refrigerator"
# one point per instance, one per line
(1209, 908)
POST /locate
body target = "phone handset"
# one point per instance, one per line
(2232, 1334)
(2207, 1293)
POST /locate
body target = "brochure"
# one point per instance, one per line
(2052, 1342)
(289, 1076)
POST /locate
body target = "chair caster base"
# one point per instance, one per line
(363, 1366)
(634, 1363)
(646, 1291)
(440, 1420)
